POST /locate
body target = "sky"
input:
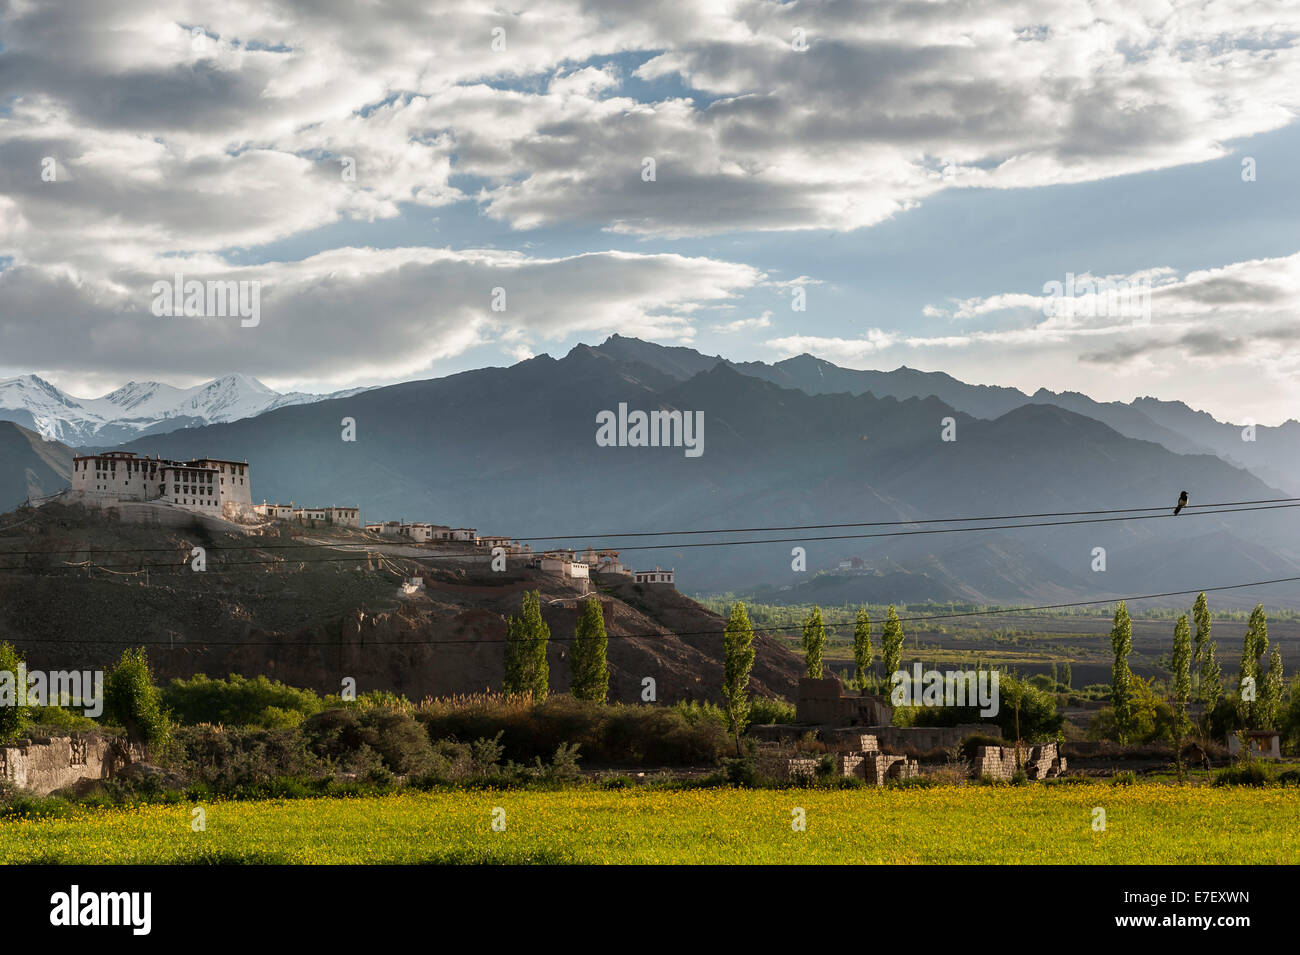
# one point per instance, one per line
(935, 183)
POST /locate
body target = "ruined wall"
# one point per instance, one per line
(44, 765)
(1041, 761)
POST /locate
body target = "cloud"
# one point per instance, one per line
(743, 324)
(172, 142)
(355, 313)
(1231, 329)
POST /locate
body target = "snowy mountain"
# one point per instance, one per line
(139, 407)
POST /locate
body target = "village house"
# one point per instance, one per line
(656, 576)
(342, 516)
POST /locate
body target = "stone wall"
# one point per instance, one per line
(44, 765)
(869, 764)
(1041, 761)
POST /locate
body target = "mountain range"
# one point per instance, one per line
(513, 451)
(138, 408)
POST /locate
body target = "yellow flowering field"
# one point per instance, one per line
(1144, 823)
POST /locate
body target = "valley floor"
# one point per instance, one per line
(1147, 822)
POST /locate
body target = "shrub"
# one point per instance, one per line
(1252, 773)
(14, 719)
(239, 701)
(365, 741)
(763, 709)
(741, 771)
(132, 701)
(685, 734)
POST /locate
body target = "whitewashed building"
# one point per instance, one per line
(205, 485)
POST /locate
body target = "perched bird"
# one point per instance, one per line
(1182, 503)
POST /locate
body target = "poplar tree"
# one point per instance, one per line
(588, 666)
(1270, 697)
(814, 641)
(1252, 652)
(891, 642)
(1065, 674)
(1201, 617)
(526, 638)
(861, 647)
(1121, 641)
(1182, 673)
(738, 663)
(1211, 688)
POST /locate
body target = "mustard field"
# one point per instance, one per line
(1143, 823)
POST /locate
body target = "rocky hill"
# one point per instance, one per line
(310, 608)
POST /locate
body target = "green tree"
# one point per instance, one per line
(1121, 641)
(1065, 674)
(1181, 684)
(814, 641)
(1211, 688)
(1253, 647)
(1201, 617)
(588, 667)
(14, 719)
(861, 648)
(738, 663)
(132, 701)
(891, 643)
(527, 670)
(1271, 693)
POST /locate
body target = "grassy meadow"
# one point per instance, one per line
(1148, 822)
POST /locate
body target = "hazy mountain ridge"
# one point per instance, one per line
(1273, 455)
(513, 451)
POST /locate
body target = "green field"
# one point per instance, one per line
(1145, 823)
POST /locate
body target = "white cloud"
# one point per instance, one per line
(355, 314)
(1229, 332)
(744, 324)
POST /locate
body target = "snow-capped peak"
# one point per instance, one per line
(138, 407)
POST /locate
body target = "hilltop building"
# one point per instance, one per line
(205, 485)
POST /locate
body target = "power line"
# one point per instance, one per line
(1012, 611)
(632, 547)
(1240, 505)
(901, 523)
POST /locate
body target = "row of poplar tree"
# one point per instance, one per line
(527, 636)
(1258, 699)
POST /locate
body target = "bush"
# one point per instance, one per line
(239, 701)
(686, 734)
(1250, 773)
(132, 701)
(14, 719)
(763, 709)
(741, 771)
(366, 741)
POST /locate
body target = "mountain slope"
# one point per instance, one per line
(1273, 455)
(513, 451)
(33, 467)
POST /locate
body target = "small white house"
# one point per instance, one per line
(1264, 744)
